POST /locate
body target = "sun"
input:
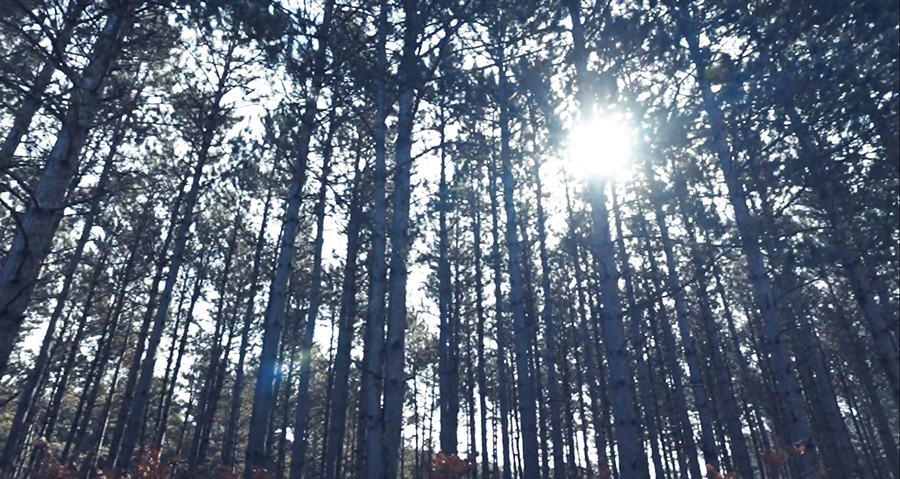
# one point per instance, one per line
(601, 148)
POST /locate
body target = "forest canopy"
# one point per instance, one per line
(439, 239)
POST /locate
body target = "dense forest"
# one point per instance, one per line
(446, 239)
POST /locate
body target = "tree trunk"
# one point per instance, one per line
(370, 454)
(885, 344)
(551, 334)
(290, 353)
(723, 382)
(394, 373)
(695, 374)
(632, 458)
(298, 450)
(264, 395)
(333, 454)
(92, 384)
(35, 96)
(26, 395)
(524, 379)
(480, 331)
(670, 349)
(788, 390)
(502, 372)
(74, 346)
(37, 227)
(237, 390)
(591, 358)
(862, 371)
(153, 298)
(211, 391)
(170, 379)
(160, 432)
(447, 374)
(639, 342)
(136, 414)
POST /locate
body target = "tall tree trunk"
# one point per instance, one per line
(38, 370)
(394, 353)
(789, 392)
(864, 374)
(237, 389)
(152, 300)
(371, 454)
(670, 349)
(281, 455)
(524, 379)
(38, 225)
(104, 356)
(264, 395)
(160, 432)
(475, 211)
(298, 450)
(579, 388)
(886, 349)
(449, 403)
(211, 391)
(569, 419)
(329, 386)
(170, 379)
(591, 358)
(639, 342)
(35, 96)
(688, 344)
(502, 342)
(136, 414)
(333, 455)
(533, 356)
(723, 383)
(102, 353)
(632, 458)
(74, 345)
(550, 335)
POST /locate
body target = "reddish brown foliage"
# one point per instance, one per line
(605, 472)
(718, 475)
(448, 467)
(781, 454)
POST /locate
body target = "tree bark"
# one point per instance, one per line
(524, 379)
(136, 414)
(371, 454)
(74, 345)
(480, 331)
(723, 383)
(551, 336)
(639, 343)
(333, 453)
(448, 370)
(788, 390)
(695, 374)
(502, 342)
(35, 96)
(34, 235)
(237, 390)
(632, 458)
(670, 349)
(160, 432)
(212, 386)
(26, 395)
(299, 446)
(394, 372)
(92, 384)
(152, 301)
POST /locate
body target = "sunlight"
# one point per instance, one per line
(600, 148)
